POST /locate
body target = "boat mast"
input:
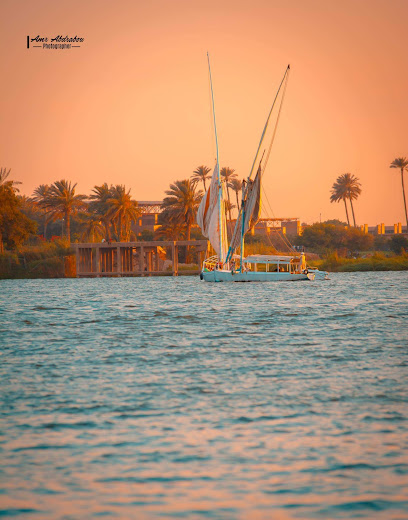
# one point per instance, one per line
(218, 162)
(267, 120)
(242, 227)
(285, 76)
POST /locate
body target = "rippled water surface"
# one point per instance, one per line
(173, 398)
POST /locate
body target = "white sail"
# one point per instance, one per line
(208, 203)
(209, 219)
(252, 207)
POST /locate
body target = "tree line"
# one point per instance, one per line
(109, 211)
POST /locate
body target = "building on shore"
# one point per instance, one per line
(287, 226)
(382, 229)
(149, 219)
(266, 226)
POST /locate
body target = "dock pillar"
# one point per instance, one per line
(141, 260)
(97, 261)
(118, 261)
(175, 259)
(78, 255)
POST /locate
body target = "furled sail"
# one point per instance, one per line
(251, 207)
(212, 224)
(208, 204)
(253, 202)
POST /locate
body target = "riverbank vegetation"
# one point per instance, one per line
(15, 226)
(375, 262)
(36, 231)
(327, 237)
(45, 260)
(342, 249)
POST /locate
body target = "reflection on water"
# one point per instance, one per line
(172, 398)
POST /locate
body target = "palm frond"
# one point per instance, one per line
(400, 162)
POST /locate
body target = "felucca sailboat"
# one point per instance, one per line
(226, 265)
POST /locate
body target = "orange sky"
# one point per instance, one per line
(131, 106)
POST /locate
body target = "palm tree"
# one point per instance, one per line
(236, 185)
(3, 182)
(3, 175)
(99, 205)
(402, 164)
(93, 228)
(200, 174)
(182, 203)
(61, 202)
(347, 186)
(228, 174)
(171, 230)
(228, 207)
(15, 225)
(39, 195)
(123, 210)
(354, 190)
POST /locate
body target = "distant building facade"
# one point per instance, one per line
(382, 229)
(292, 226)
(287, 226)
(149, 219)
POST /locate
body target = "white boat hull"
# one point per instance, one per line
(315, 274)
(250, 276)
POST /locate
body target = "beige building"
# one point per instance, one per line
(287, 226)
(382, 229)
(150, 216)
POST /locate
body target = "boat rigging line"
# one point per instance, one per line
(218, 162)
(285, 76)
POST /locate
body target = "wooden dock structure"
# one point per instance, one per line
(133, 258)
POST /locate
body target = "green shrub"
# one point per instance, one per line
(325, 238)
(398, 243)
(377, 262)
(47, 260)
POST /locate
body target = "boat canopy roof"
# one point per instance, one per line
(271, 259)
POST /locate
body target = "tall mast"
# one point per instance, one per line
(267, 120)
(285, 76)
(218, 162)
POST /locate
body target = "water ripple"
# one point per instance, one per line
(172, 398)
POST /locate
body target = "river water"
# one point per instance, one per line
(158, 398)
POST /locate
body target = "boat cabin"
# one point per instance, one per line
(274, 263)
(260, 264)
